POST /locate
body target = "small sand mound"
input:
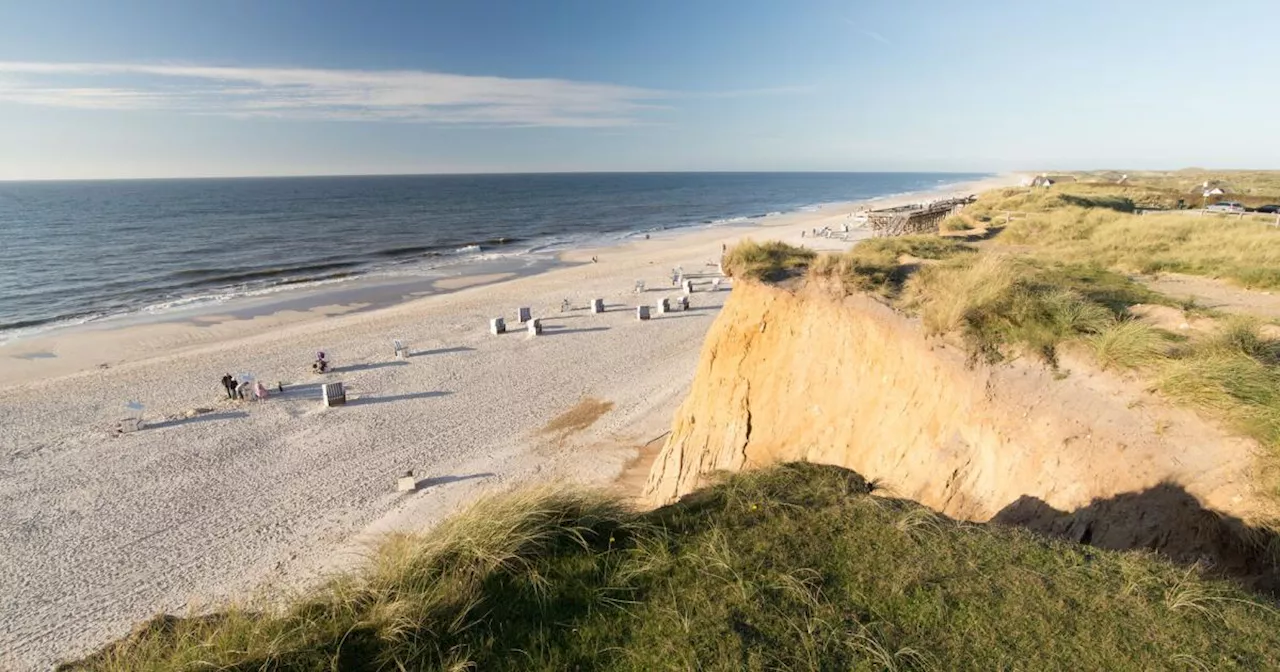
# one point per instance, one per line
(578, 418)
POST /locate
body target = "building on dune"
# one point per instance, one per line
(1047, 181)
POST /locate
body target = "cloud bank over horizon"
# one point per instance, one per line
(415, 96)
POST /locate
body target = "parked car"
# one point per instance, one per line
(1226, 206)
(1269, 209)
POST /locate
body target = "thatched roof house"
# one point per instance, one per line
(1050, 180)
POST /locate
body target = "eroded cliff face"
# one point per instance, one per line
(810, 375)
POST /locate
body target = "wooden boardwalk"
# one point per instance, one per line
(914, 219)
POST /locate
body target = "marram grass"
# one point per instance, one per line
(798, 567)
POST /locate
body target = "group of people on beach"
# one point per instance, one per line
(246, 388)
(243, 389)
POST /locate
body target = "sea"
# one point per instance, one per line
(81, 251)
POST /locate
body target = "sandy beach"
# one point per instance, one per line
(216, 498)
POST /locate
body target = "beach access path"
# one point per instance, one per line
(217, 498)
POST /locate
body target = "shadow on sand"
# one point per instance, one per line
(554, 330)
(1166, 519)
(365, 401)
(303, 391)
(208, 417)
(366, 367)
(441, 480)
(441, 351)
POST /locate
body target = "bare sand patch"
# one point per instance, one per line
(578, 418)
(464, 281)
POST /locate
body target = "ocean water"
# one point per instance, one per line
(72, 252)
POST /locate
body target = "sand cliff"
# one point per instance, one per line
(812, 374)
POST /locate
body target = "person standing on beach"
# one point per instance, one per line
(229, 385)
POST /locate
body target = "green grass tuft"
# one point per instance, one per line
(882, 265)
(1129, 344)
(770, 261)
(1000, 303)
(1231, 374)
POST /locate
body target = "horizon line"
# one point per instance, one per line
(513, 173)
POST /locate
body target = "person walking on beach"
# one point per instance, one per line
(229, 386)
(243, 389)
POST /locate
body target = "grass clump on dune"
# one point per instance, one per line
(1233, 373)
(794, 567)
(882, 265)
(955, 224)
(1129, 344)
(1000, 303)
(769, 261)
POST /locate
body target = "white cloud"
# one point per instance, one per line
(876, 36)
(868, 33)
(398, 95)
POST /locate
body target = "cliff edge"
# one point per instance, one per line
(816, 375)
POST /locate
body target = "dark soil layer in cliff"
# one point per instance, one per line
(796, 567)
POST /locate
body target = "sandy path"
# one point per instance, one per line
(98, 532)
(1216, 294)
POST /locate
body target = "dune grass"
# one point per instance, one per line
(1000, 304)
(1129, 344)
(796, 567)
(1233, 373)
(770, 261)
(882, 265)
(1076, 224)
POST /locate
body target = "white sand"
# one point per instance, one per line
(99, 532)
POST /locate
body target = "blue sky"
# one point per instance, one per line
(237, 87)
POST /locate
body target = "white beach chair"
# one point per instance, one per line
(497, 326)
(524, 315)
(535, 327)
(642, 312)
(597, 305)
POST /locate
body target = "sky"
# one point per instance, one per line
(178, 88)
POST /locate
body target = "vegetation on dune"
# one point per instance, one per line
(1085, 223)
(795, 567)
(770, 261)
(1233, 373)
(1054, 276)
(882, 265)
(998, 302)
(1129, 344)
